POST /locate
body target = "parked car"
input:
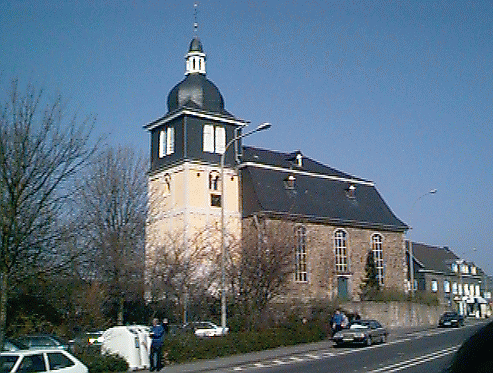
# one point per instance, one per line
(205, 329)
(363, 332)
(88, 341)
(43, 341)
(451, 318)
(11, 345)
(49, 360)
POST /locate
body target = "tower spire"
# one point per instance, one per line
(195, 22)
(195, 58)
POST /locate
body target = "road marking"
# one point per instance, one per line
(280, 362)
(416, 361)
(328, 354)
(296, 359)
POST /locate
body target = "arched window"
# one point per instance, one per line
(300, 273)
(340, 247)
(214, 181)
(215, 188)
(167, 184)
(376, 247)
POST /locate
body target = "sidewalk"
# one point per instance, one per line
(231, 361)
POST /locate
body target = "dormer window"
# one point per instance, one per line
(299, 160)
(289, 182)
(351, 191)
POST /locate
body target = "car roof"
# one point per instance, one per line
(31, 352)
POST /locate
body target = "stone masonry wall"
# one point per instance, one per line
(392, 314)
(322, 277)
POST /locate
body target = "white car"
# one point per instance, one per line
(46, 360)
(206, 329)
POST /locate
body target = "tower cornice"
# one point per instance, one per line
(195, 113)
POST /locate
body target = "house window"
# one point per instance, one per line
(434, 286)
(166, 142)
(214, 138)
(340, 247)
(446, 286)
(300, 254)
(454, 288)
(378, 256)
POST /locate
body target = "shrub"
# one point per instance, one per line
(183, 348)
(97, 363)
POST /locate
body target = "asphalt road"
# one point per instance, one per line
(407, 350)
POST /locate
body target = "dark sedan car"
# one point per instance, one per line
(363, 332)
(11, 345)
(451, 318)
(43, 341)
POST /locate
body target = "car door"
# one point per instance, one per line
(375, 331)
(32, 364)
(60, 363)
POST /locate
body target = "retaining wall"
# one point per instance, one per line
(393, 314)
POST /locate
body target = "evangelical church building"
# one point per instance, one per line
(338, 218)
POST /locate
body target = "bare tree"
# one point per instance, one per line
(264, 265)
(180, 270)
(111, 201)
(40, 150)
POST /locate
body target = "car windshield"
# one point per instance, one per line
(359, 325)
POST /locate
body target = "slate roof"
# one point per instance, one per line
(433, 258)
(197, 92)
(320, 193)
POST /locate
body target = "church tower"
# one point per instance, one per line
(184, 179)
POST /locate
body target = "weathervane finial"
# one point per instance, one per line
(195, 23)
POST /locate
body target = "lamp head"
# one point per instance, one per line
(264, 126)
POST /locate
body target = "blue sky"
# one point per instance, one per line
(397, 92)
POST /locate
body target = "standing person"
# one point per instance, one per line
(336, 322)
(165, 326)
(157, 332)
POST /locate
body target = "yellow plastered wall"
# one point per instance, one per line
(180, 207)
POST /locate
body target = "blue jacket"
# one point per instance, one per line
(157, 335)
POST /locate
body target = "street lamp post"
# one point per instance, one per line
(411, 254)
(261, 127)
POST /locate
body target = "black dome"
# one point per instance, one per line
(198, 92)
(195, 45)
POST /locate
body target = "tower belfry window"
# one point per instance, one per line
(166, 142)
(214, 139)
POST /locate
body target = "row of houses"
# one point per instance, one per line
(458, 283)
